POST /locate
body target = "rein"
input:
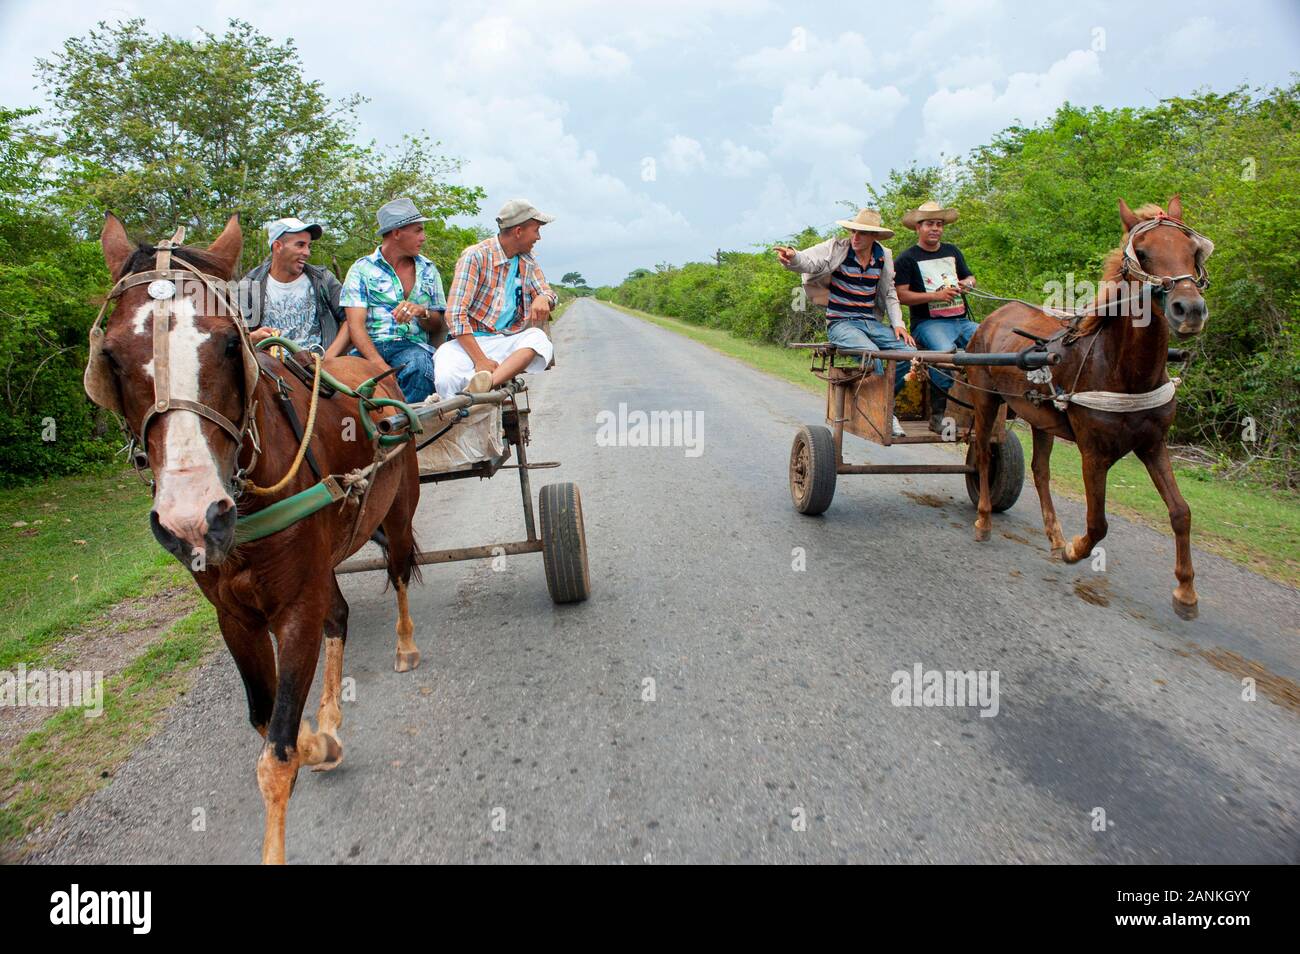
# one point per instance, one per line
(307, 432)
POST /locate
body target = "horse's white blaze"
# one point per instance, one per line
(140, 323)
(189, 482)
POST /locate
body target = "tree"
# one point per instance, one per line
(573, 278)
(46, 279)
(165, 130)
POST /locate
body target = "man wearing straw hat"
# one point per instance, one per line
(932, 275)
(853, 277)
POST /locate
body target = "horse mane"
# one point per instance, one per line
(1111, 280)
(144, 256)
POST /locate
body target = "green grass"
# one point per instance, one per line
(71, 755)
(1256, 526)
(50, 580)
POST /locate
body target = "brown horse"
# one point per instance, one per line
(1151, 286)
(180, 370)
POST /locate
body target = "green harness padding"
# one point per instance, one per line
(285, 513)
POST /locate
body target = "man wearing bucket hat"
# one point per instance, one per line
(498, 306)
(289, 297)
(394, 301)
(853, 278)
(932, 275)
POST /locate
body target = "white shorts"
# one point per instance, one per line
(452, 367)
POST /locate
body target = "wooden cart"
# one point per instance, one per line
(562, 538)
(860, 400)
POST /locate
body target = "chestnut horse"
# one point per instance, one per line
(1151, 286)
(193, 395)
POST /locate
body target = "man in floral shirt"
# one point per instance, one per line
(394, 302)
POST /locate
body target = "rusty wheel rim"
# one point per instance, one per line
(800, 465)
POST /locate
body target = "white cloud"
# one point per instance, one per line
(1198, 40)
(964, 12)
(542, 162)
(955, 120)
(805, 56)
(815, 199)
(739, 161)
(970, 70)
(837, 114)
(683, 155)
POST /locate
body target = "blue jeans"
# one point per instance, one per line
(414, 364)
(943, 334)
(869, 333)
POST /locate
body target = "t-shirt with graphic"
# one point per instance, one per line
(923, 271)
(852, 292)
(289, 307)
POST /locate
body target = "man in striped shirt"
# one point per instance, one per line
(498, 306)
(854, 278)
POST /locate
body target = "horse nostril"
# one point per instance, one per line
(168, 540)
(1179, 309)
(221, 518)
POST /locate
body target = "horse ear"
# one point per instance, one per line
(1126, 216)
(228, 245)
(1176, 207)
(117, 247)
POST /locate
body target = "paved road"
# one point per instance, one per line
(772, 685)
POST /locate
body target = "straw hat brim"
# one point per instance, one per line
(915, 217)
(859, 227)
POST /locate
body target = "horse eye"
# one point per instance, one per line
(1142, 255)
(232, 345)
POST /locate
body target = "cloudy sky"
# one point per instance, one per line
(659, 132)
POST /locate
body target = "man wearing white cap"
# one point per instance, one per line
(498, 305)
(288, 297)
(854, 279)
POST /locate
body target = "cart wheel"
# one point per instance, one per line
(564, 543)
(812, 469)
(1006, 473)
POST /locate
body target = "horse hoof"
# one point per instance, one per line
(333, 754)
(1186, 610)
(407, 661)
(982, 534)
(1058, 553)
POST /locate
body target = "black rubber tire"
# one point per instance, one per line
(564, 543)
(812, 469)
(1006, 473)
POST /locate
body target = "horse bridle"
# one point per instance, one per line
(164, 280)
(1163, 284)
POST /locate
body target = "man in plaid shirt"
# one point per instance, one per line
(497, 308)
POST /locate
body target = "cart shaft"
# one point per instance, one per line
(445, 556)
